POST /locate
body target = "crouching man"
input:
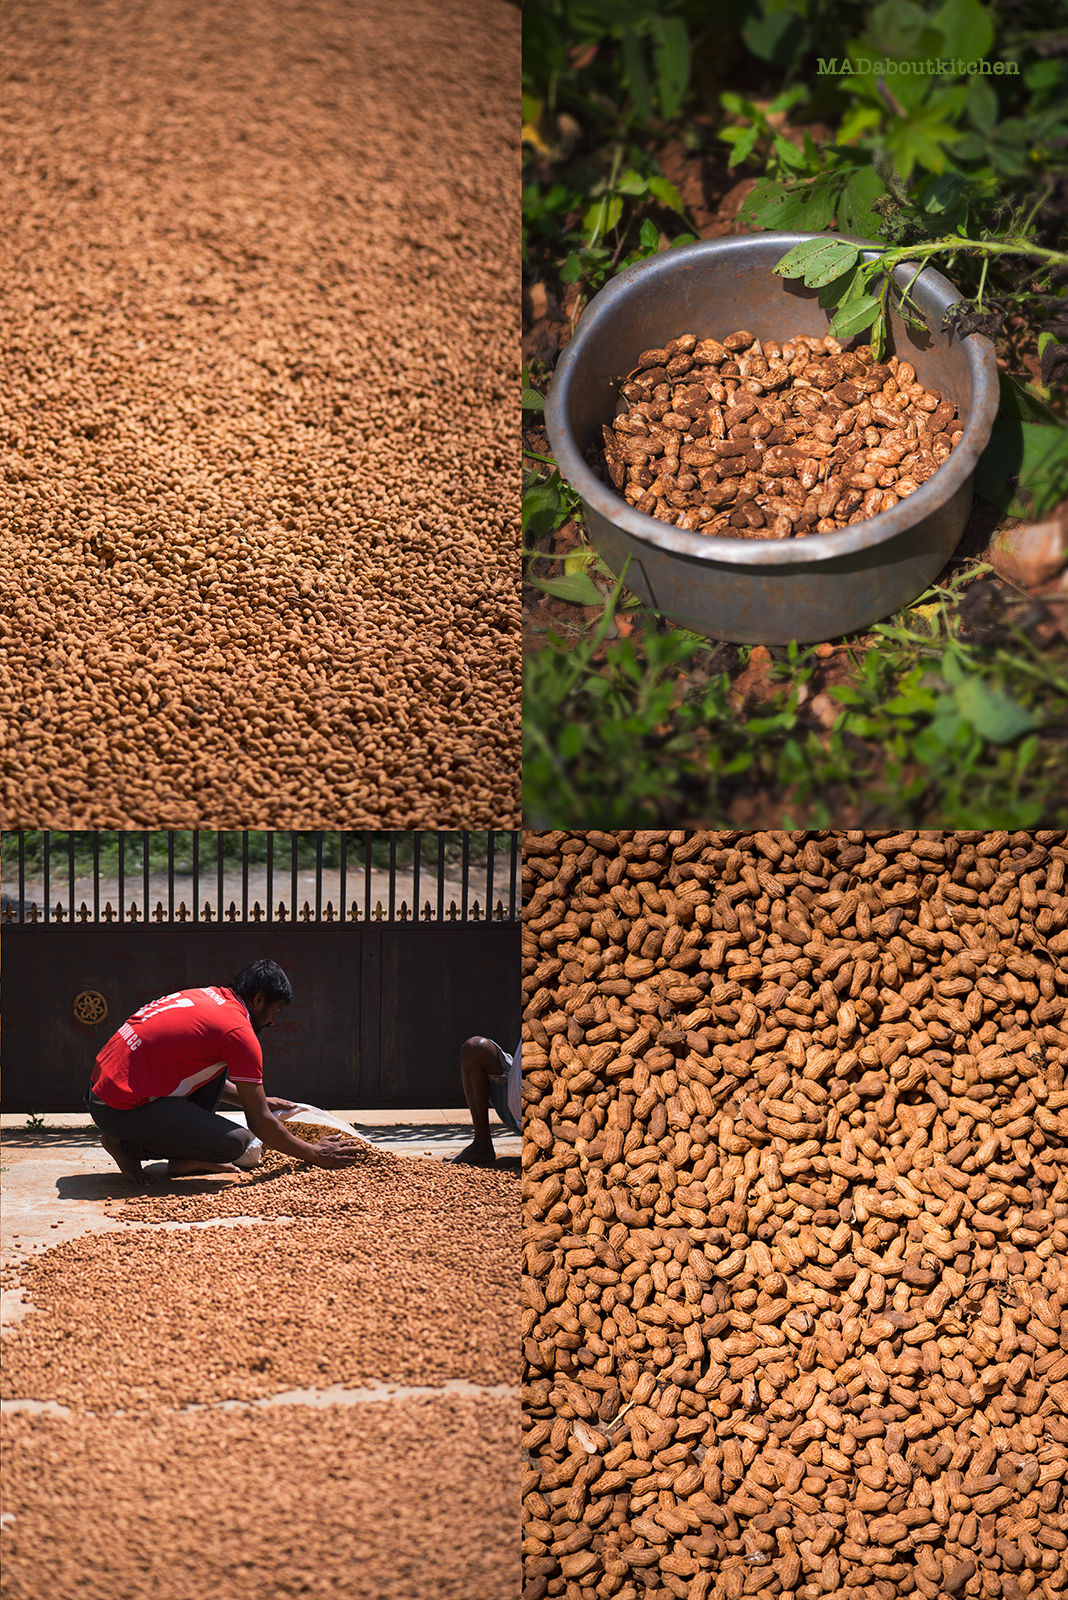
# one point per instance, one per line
(160, 1080)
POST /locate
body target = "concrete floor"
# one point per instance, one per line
(56, 1182)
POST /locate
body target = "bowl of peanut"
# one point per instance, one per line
(760, 480)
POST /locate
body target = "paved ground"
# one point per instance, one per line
(56, 1182)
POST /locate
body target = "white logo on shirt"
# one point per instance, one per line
(168, 1002)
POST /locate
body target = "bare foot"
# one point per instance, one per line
(192, 1169)
(127, 1165)
(477, 1154)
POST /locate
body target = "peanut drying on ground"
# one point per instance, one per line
(354, 1501)
(754, 439)
(259, 485)
(795, 1295)
(401, 1270)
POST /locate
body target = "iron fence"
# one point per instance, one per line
(480, 885)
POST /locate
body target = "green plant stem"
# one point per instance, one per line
(617, 156)
(892, 257)
(602, 628)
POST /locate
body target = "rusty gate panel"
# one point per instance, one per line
(379, 1010)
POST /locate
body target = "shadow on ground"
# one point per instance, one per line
(48, 1138)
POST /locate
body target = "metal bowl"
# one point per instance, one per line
(764, 591)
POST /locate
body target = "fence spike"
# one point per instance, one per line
(107, 913)
(182, 914)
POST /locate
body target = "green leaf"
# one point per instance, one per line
(578, 588)
(603, 215)
(743, 145)
(855, 317)
(1020, 400)
(794, 263)
(993, 715)
(1042, 75)
(855, 208)
(982, 105)
(637, 79)
(683, 238)
(671, 52)
(775, 33)
(632, 183)
(953, 669)
(789, 153)
(667, 194)
(943, 193)
(571, 740)
(848, 286)
(533, 401)
(808, 207)
(649, 236)
(920, 140)
(966, 29)
(830, 263)
(970, 147)
(542, 505)
(877, 337)
(1022, 456)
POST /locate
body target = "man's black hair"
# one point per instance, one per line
(263, 977)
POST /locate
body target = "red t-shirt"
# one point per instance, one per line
(175, 1044)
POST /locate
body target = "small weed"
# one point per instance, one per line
(35, 1124)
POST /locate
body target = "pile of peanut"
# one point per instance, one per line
(357, 1500)
(402, 1270)
(795, 1303)
(258, 529)
(757, 440)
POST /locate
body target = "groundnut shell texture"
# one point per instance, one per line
(795, 1294)
(259, 487)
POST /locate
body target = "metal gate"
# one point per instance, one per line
(382, 998)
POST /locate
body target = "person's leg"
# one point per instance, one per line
(189, 1136)
(208, 1097)
(480, 1060)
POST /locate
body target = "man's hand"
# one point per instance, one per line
(336, 1152)
(278, 1106)
(261, 1118)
